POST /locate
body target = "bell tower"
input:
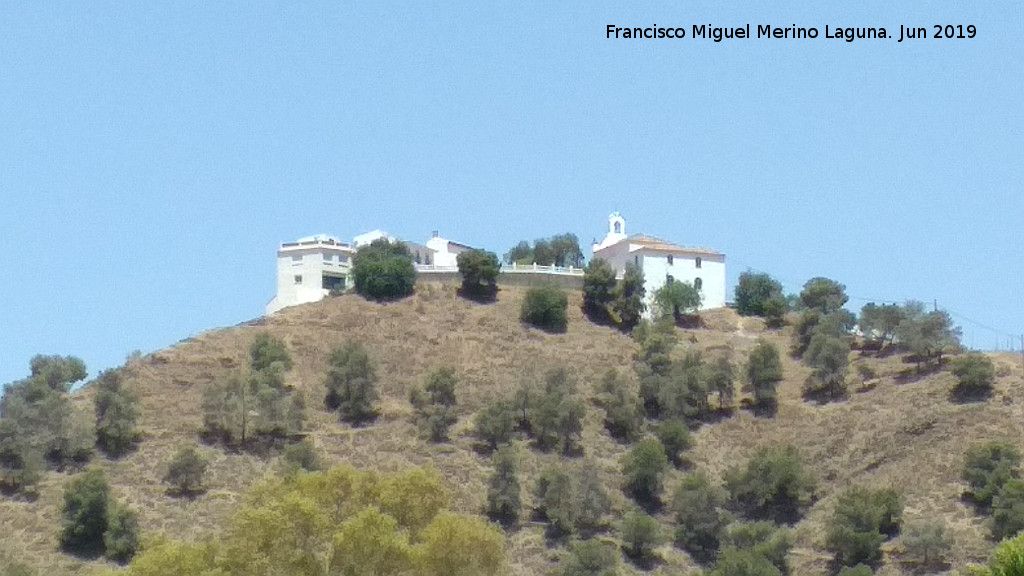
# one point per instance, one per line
(616, 231)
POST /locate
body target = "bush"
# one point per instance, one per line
(721, 376)
(591, 558)
(677, 299)
(302, 456)
(862, 521)
(495, 424)
(85, 513)
(763, 538)
(504, 494)
(926, 544)
(629, 306)
(556, 417)
(544, 307)
(675, 438)
(623, 414)
(557, 501)
(976, 376)
(754, 292)
(640, 536)
(434, 404)
(644, 468)
(121, 539)
(858, 570)
(699, 517)
(479, 270)
(739, 562)
(1007, 560)
(829, 356)
(1008, 510)
(267, 350)
(772, 486)
(598, 289)
(351, 383)
(764, 372)
(594, 503)
(383, 270)
(987, 467)
(186, 471)
(116, 413)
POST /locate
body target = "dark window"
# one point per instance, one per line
(669, 279)
(618, 227)
(671, 259)
(697, 283)
(332, 282)
(636, 259)
(698, 262)
(298, 278)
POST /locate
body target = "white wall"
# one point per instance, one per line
(684, 269)
(310, 263)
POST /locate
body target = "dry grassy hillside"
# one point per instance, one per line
(902, 432)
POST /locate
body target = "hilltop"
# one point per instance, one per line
(902, 432)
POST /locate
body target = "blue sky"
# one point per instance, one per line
(153, 155)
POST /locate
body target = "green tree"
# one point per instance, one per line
(544, 307)
(302, 456)
(495, 424)
(1007, 560)
(85, 514)
(629, 306)
(862, 521)
(677, 299)
(371, 544)
(925, 544)
(590, 558)
(880, 323)
(267, 350)
(454, 545)
(247, 407)
(683, 395)
(987, 468)
(764, 372)
(504, 493)
(640, 536)
(754, 293)
(743, 562)
(823, 294)
(721, 380)
(927, 335)
(479, 270)
(435, 403)
(644, 468)
(675, 438)
(121, 538)
(1008, 510)
(699, 516)
(594, 503)
(556, 418)
(117, 411)
(763, 538)
(186, 470)
(521, 253)
(352, 383)
(624, 417)
(829, 356)
(858, 570)
(598, 289)
(773, 485)
(59, 373)
(976, 376)
(383, 270)
(557, 501)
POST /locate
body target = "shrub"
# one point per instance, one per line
(598, 289)
(303, 456)
(753, 293)
(976, 376)
(640, 536)
(741, 562)
(623, 415)
(772, 486)
(590, 558)
(544, 307)
(721, 377)
(479, 270)
(245, 408)
(267, 350)
(556, 416)
(764, 372)
(858, 570)
(116, 413)
(823, 294)
(594, 503)
(987, 467)
(699, 517)
(763, 538)
(186, 471)
(644, 468)
(683, 394)
(440, 387)
(829, 356)
(85, 514)
(926, 544)
(1008, 510)
(383, 270)
(121, 539)
(1007, 560)
(503, 494)
(675, 438)
(434, 405)
(629, 306)
(677, 299)
(557, 501)
(351, 383)
(495, 424)
(862, 521)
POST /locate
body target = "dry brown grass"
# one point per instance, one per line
(907, 435)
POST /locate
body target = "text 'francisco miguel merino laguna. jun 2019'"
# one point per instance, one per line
(794, 32)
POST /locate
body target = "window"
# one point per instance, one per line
(636, 259)
(296, 260)
(333, 282)
(669, 279)
(618, 227)
(697, 262)
(697, 283)
(298, 278)
(671, 259)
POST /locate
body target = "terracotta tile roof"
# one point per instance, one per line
(652, 243)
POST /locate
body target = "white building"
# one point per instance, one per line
(308, 269)
(664, 262)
